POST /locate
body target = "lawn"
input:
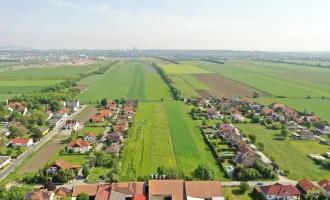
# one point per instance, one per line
(183, 69)
(97, 172)
(6, 96)
(288, 157)
(186, 89)
(96, 130)
(320, 107)
(194, 82)
(90, 80)
(234, 193)
(310, 147)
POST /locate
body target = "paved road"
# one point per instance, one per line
(4, 173)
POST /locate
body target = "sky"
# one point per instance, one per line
(264, 25)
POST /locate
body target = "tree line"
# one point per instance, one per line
(213, 61)
(293, 63)
(167, 59)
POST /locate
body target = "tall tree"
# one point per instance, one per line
(104, 102)
(204, 172)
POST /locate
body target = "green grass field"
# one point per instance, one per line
(319, 106)
(90, 80)
(288, 157)
(97, 172)
(186, 89)
(194, 82)
(96, 130)
(25, 86)
(310, 147)
(183, 69)
(234, 193)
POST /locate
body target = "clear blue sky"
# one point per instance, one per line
(272, 25)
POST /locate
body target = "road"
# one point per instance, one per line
(4, 173)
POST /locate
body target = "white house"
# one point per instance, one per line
(19, 142)
(323, 130)
(324, 185)
(237, 115)
(73, 105)
(254, 106)
(279, 191)
(4, 160)
(78, 146)
(90, 137)
(234, 99)
(71, 125)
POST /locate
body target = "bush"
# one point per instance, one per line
(244, 186)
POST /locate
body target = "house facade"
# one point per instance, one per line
(71, 125)
(323, 130)
(128, 110)
(90, 137)
(60, 164)
(19, 142)
(78, 146)
(279, 191)
(74, 105)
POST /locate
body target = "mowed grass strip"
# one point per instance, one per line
(136, 89)
(194, 82)
(183, 69)
(155, 88)
(287, 156)
(186, 89)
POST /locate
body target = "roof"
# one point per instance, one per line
(14, 104)
(247, 100)
(119, 127)
(128, 108)
(60, 163)
(79, 143)
(20, 109)
(140, 197)
(325, 184)
(63, 191)
(327, 188)
(105, 112)
(21, 140)
(203, 189)
(111, 104)
(97, 117)
(236, 112)
(82, 87)
(280, 190)
(41, 194)
(166, 187)
(128, 188)
(267, 111)
(306, 184)
(277, 105)
(49, 112)
(113, 148)
(121, 122)
(90, 190)
(92, 135)
(71, 122)
(62, 112)
(103, 192)
(289, 110)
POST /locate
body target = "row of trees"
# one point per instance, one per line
(293, 62)
(213, 61)
(167, 59)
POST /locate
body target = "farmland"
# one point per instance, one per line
(288, 157)
(310, 147)
(186, 89)
(183, 69)
(167, 137)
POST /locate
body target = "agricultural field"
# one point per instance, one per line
(194, 82)
(310, 147)
(164, 134)
(320, 107)
(183, 69)
(288, 156)
(90, 80)
(132, 80)
(186, 89)
(24, 86)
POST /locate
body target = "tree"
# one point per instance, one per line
(309, 97)
(37, 133)
(253, 137)
(3, 192)
(104, 102)
(193, 110)
(14, 132)
(9, 152)
(285, 132)
(204, 172)
(226, 120)
(17, 192)
(82, 196)
(85, 170)
(255, 94)
(308, 124)
(204, 122)
(261, 146)
(55, 105)
(244, 186)
(273, 158)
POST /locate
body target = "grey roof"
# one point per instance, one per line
(305, 134)
(113, 148)
(246, 159)
(117, 196)
(4, 159)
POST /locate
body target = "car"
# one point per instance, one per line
(260, 184)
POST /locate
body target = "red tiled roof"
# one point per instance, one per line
(203, 189)
(103, 192)
(280, 190)
(323, 182)
(90, 190)
(65, 109)
(111, 103)
(247, 100)
(81, 87)
(105, 112)
(20, 140)
(62, 191)
(139, 197)
(62, 112)
(327, 188)
(79, 143)
(97, 117)
(128, 108)
(306, 184)
(268, 111)
(276, 105)
(14, 104)
(119, 127)
(61, 164)
(91, 134)
(236, 112)
(20, 109)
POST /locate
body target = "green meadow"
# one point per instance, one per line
(183, 68)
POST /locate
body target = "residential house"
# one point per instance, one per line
(20, 142)
(4, 160)
(22, 110)
(122, 122)
(39, 195)
(312, 119)
(60, 115)
(90, 137)
(308, 188)
(247, 100)
(73, 105)
(116, 137)
(235, 140)
(226, 130)
(121, 128)
(267, 111)
(78, 146)
(278, 106)
(279, 191)
(13, 106)
(131, 102)
(113, 148)
(245, 157)
(290, 113)
(201, 190)
(230, 109)
(323, 130)
(305, 135)
(234, 99)
(166, 189)
(89, 189)
(60, 164)
(237, 115)
(97, 118)
(129, 117)
(61, 193)
(105, 113)
(255, 106)
(103, 192)
(71, 125)
(202, 103)
(324, 185)
(49, 114)
(291, 125)
(54, 122)
(4, 132)
(213, 114)
(63, 103)
(128, 190)
(128, 110)
(111, 105)
(65, 109)
(277, 117)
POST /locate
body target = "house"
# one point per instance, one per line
(131, 102)
(39, 195)
(111, 105)
(113, 148)
(60, 115)
(234, 99)
(128, 110)
(323, 130)
(116, 137)
(129, 117)
(202, 103)
(235, 139)
(122, 122)
(324, 185)
(128, 190)
(103, 192)
(305, 135)
(226, 130)
(290, 113)
(277, 117)
(278, 106)
(54, 122)
(65, 109)
(308, 188)
(4, 160)
(14, 104)
(63, 103)
(247, 159)
(279, 191)
(22, 110)
(97, 118)
(71, 125)
(20, 142)
(119, 128)
(247, 100)
(213, 114)
(267, 111)
(230, 109)
(60, 164)
(166, 189)
(312, 119)
(237, 115)
(90, 137)
(201, 190)
(78, 146)
(49, 114)
(291, 125)
(254, 106)
(105, 113)
(62, 192)
(89, 189)
(73, 105)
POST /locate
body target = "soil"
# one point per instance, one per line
(86, 114)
